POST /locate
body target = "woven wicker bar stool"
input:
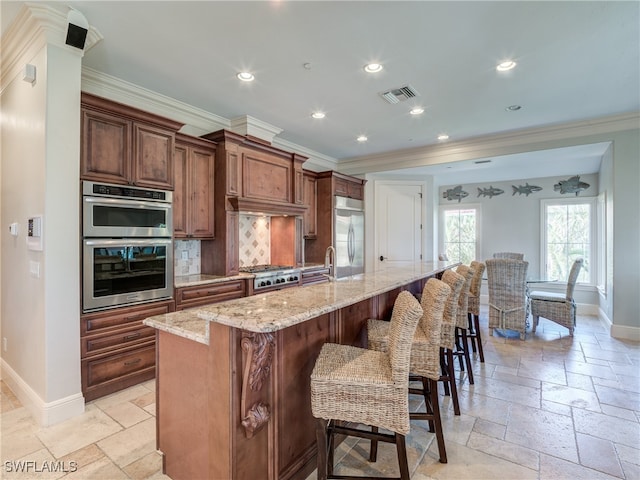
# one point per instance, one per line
(462, 322)
(448, 338)
(425, 356)
(474, 309)
(366, 387)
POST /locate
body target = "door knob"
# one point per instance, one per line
(382, 258)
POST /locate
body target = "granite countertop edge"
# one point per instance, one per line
(273, 311)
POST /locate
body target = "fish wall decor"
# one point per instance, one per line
(571, 185)
(526, 189)
(454, 193)
(490, 192)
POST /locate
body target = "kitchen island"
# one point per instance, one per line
(233, 399)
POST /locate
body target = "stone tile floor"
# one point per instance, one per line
(549, 407)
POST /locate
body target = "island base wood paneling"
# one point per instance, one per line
(239, 408)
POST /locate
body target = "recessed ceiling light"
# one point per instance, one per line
(416, 111)
(246, 76)
(318, 115)
(444, 136)
(373, 67)
(362, 138)
(506, 65)
(513, 108)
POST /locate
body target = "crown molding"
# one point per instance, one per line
(248, 125)
(35, 26)
(315, 161)
(197, 122)
(515, 141)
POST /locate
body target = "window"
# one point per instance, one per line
(568, 233)
(459, 229)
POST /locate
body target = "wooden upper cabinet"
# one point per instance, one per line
(106, 147)
(153, 157)
(124, 145)
(310, 195)
(347, 187)
(193, 196)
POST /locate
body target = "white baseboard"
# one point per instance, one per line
(45, 413)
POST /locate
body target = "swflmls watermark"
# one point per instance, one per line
(32, 466)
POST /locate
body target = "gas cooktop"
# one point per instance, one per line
(264, 268)
(270, 276)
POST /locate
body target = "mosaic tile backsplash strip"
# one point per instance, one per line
(189, 249)
(254, 242)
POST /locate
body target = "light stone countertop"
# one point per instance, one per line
(203, 279)
(272, 311)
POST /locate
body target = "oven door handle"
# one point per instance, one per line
(128, 241)
(128, 203)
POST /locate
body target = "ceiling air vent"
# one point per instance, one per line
(399, 94)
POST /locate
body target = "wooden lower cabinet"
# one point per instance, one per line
(315, 275)
(117, 350)
(195, 296)
(245, 411)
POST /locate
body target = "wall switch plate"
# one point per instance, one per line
(34, 269)
(184, 255)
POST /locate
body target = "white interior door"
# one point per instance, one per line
(398, 222)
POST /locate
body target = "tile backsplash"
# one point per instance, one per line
(254, 244)
(189, 265)
(254, 240)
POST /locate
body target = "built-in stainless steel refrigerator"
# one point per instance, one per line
(348, 236)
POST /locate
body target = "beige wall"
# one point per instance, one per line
(40, 165)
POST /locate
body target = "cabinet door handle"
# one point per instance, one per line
(132, 362)
(133, 317)
(132, 336)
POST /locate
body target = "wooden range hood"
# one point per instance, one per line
(268, 207)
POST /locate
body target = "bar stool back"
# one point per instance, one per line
(474, 309)
(462, 322)
(425, 356)
(366, 387)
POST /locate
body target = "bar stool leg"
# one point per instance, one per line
(472, 332)
(437, 420)
(452, 382)
(373, 453)
(467, 357)
(402, 457)
(478, 337)
(321, 440)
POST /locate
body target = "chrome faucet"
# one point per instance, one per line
(328, 264)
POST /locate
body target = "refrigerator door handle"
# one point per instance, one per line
(351, 244)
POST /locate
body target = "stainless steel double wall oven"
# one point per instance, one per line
(127, 245)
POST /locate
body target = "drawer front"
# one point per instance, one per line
(95, 344)
(110, 367)
(112, 319)
(315, 276)
(202, 295)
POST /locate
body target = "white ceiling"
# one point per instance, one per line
(576, 60)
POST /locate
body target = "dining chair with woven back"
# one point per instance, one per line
(511, 255)
(507, 295)
(557, 307)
